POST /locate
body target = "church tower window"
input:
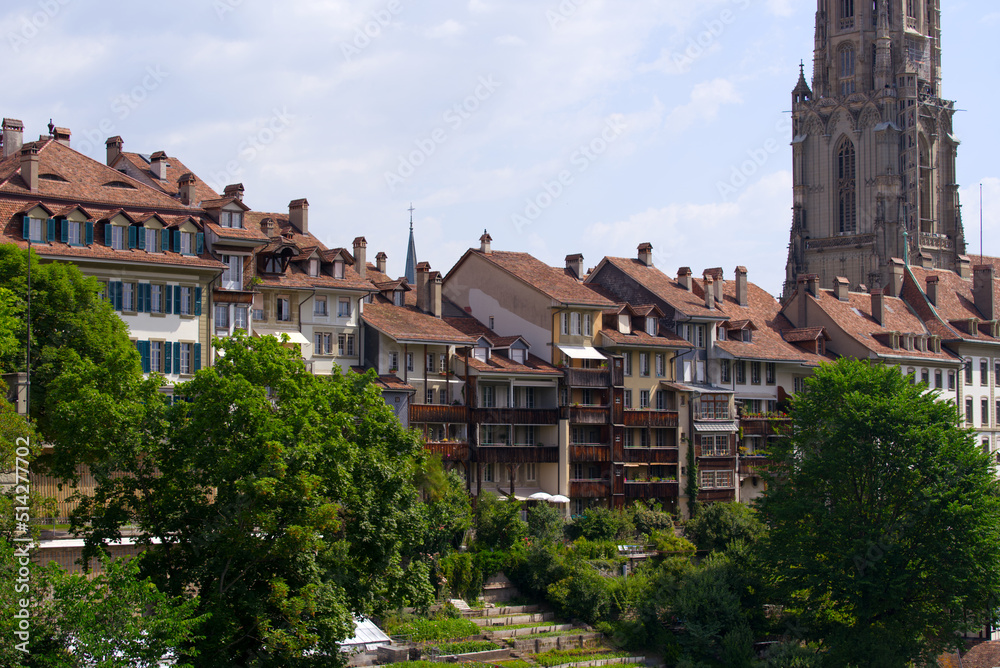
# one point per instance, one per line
(846, 170)
(847, 60)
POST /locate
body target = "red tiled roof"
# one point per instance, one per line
(243, 234)
(955, 302)
(664, 287)
(499, 363)
(551, 281)
(405, 323)
(640, 338)
(804, 334)
(985, 654)
(170, 186)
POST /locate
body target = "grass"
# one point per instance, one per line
(529, 625)
(416, 664)
(553, 634)
(515, 663)
(466, 647)
(421, 630)
(554, 657)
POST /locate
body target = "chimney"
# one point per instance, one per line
(360, 257)
(158, 165)
(29, 166)
(13, 136)
(423, 289)
(435, 296)
(926, 261)
(841, 287)
(684, 278)
(878, 306)
(895, 287)
(114, 145)
(186, 189)
(717, 276)
(982, 291)
(234, 190)
(709, 292)
(484, 243)
(802, 290)
(646, 254)
(812, 284)
(298, 215)
(932, 289)
(742, 289)
(62, 135)
(575, 264)
(964, 266)
(380, 261)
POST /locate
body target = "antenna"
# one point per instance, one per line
(411, 210)
(980, 223)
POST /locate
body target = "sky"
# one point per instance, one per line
(560, 126)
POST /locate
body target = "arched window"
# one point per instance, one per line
(847, 61)
(847, 214)
(846, 14)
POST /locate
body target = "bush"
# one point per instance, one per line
(465, 647)
(542, 565)
(584, 595)
(648, 520)
(546, 524)
(421, 630)
(595, 549)
(498, 523)
(670, 544)
(719, 524)
(602, 524)
(465, 577)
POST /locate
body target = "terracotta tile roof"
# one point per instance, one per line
(551, 281)
(612, 337)
(405, 323)
(985, 654)
(220, 202)
(140, 168)
(955, 303)
(664, 287)
(473, 327)
(804, 334)
(499, 363)
(243, 234)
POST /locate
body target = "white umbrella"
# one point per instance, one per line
(559, 498)
(541, 496)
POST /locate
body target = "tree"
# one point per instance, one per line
(601, 524)
(884, 520)
(498, 522)
(546, 524)
(718, 524)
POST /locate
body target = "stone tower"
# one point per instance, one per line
(873, 152)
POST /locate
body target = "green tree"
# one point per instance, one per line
(650, 519)
(884, 519)
(601, 524)
(691, 485)
(718, 524)
(498, 523)
(546, 524)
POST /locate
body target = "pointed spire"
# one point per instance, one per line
(411, 254)
(802, 92)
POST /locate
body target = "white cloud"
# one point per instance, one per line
(509, 40)
(707, 98)
(449, 28)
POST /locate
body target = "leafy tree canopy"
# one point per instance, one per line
(498, 522)
(718, 524)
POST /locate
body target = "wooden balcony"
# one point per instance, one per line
(753, 464)
(590, 453)
(450, 451)
(438, 414)
(588, 378)
(717, 495)
(529, 416)
(650, 418)
(651, 490)
(586, 414)
(712, 452)
(588, 489)
(650, 455)
(765, 425)
(516, 454)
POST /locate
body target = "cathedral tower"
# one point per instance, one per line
(873, 154)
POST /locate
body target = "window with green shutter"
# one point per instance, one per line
(51, 224)
(197, 301)
(140, 238)
(197, 357)
(165, 240)
(167, 357)
(177, 300)
(90, 233)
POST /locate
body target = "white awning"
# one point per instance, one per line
(293, 337)
(582, 352)
(719, 427)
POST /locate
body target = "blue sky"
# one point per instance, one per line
(572, 126)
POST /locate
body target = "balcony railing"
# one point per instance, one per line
(586, 414)
(649, 490)
(717, 494)
(764, 425)
(450, 451)
(713, 451)
(722, 414)
(588, 377)
(650, 418)
(753, 464)
(516, 454)
(590, 453)
(530, 416)
(651, 455)
(438, 414)
(588, 489)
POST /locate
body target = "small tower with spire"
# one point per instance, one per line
(411, 254)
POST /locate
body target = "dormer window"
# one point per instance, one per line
(149, 237)
(747, 335)
(272, 265)
(397, 297)
(314, 267)
(231, 219)
(651, 326)
(338, 269)
(117, 236)
(33, 229)
(481, 353)
(519, 355)
(74, 235)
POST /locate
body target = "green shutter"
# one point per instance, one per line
(26, 228)
(197, 357)
(118, 295)
(177, 241)
(164, 240)
(197, 301)
(177, 358)
(144, 354)
(140, 238)
(51, 224)
(64, 231)
(167, 349)
(200, 243)
(177, 300)
(143, 296)
(149, 298)
(107, 234)
(131, 236)
(90, 233)
(168, 299)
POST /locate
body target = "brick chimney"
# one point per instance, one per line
(932, 289)
(234, 190)
(646, 253)
(361, 257)
(423, 287)
(62, 135)
(878, 306)
(380, 261)
(742, 288)
(434, 283)
(925, 260)
(29, 166)
(114, 145)
(298, 215)
(575, 264)
(685, 279)
(158, 165)
(13, 136)
(982, 291)
(964, 266)
(709, 283)
(841, 288)
(802, 290)
(484, 243)
(186, 189)
(718, 282)
(895, 287)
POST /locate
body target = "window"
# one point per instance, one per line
(186, 243)
(564, 323)
(488, 472)
(323, 343)
(345, 346)
(996, 371)
(628, 399)
(716, 479)
(716, 445)
(911, 9)
(968, 371)
(699, 336)
(847, 60)
(564, 396)
(529, 435)
(741, 372)
(73, 233)
(393, 362)
(529, 397)
(985, 416)
(156, 356)
(232, 276)
(714, 407)
(185, 303)
(284, 309)
(185, 358)
(847, 212)
(725, 373)
(338, 269)
(222, 316)
(588, 397)
(319, 306)
(643, 438)
(925, 377)
(951, 380)
(152, 245)
(314, 267)
(397, 298)
(117, 237)
(643, 364)
(128, 297)
(588, 324)
(491, 322)
(344, 307)
(430, 362)
(770, 372)
(755, 373)
(661, 365)
(651, 326)
(530, 472)
(984, 372)
(574, 320)
(35, 229)
(231, 219)
(661, 401)
(429, 395)
(938, 382)
(996, 414)
(627, 365)
(643, 399)
(156, 298)
(409, 362)
(969, 418)
(847, 9)
(240, 318)
(629, 442)
(442, 363)
(489, 396)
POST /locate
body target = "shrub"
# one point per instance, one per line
(719, 524)
(647, 520)
(498, 523)
(465, 647)
(602, 524)
(465, 577)
(421, 630)
(546, 524)
(584, 595)
(542, 565)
